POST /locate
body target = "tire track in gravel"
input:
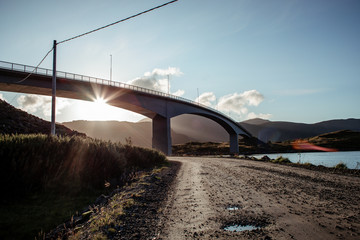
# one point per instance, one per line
(189, 209)
(287, 202)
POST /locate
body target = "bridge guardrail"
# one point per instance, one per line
(79, 77)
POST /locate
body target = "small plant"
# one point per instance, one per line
(128, 141)
(281, 159)
(308, 164)
(341, 165)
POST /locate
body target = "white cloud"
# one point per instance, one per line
(259, 115)
(171, 71)
(178, 93)
(235, 103)
(34, 103)
(238, 103)
(157, 79)
(30, 103)
(206, 98)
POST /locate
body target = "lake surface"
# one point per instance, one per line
(327, 159)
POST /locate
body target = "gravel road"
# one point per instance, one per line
(281, 202)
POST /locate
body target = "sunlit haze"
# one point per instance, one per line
(285, 60)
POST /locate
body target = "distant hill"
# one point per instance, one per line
(282, 131)
(184, 128)
(140, 133)
(187, 127)
(255, 121)
(13, 120)
(344, 140)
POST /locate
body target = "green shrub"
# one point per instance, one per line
(281, 159)
(341, 165)
(308, 164)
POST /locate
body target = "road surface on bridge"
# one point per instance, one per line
(285, 202)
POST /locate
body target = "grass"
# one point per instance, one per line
(213, 148)
(105, 221)
(46, 179)
(46, 163)
(27, 217)
(280, 159)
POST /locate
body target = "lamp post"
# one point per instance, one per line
(110, 67)
(53, 99)
(198, 96)
(168, 77)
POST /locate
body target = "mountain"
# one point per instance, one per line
(199, 128)
(140, 133)
(13, 120)
(187, 127)
(282, 131)
(256, 121)
(184, 128)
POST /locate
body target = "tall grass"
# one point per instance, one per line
(41, 163)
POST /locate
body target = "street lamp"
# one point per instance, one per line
(53, 92)
(110, 67)
(168, 77)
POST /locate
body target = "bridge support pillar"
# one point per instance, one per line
(161, 139)
(234, 143)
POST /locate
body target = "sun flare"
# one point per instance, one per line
(98, 109)
(100, 101)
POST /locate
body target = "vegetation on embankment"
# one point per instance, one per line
(16, 121)
(246, 146)
(344, 140)
(339, 168)
(42, 170)
(40, 162)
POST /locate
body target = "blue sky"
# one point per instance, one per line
(284, 60)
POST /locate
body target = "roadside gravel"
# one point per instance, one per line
(197, 197)
(283, 202)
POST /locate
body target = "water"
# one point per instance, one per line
(327, 159)
(240, 228)
(232, 208)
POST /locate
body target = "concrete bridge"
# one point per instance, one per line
(158, 106)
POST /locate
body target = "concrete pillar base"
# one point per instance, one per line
(234, 143)
(161, 139)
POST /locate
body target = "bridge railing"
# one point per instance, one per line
(78, 77)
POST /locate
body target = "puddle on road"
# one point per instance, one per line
(240, 228)
(232, 208)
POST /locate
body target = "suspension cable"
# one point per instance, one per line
(95, 30)
(122, 20)
(35, 67)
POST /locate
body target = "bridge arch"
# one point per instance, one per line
(158, 106)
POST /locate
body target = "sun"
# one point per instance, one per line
(100, 101)
(97, 110)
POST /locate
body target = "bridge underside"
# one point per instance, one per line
(159, 108)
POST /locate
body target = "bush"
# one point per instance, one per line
(41, 162)
(341, 165)
(281, 159)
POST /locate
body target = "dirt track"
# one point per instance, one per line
(284, 202)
